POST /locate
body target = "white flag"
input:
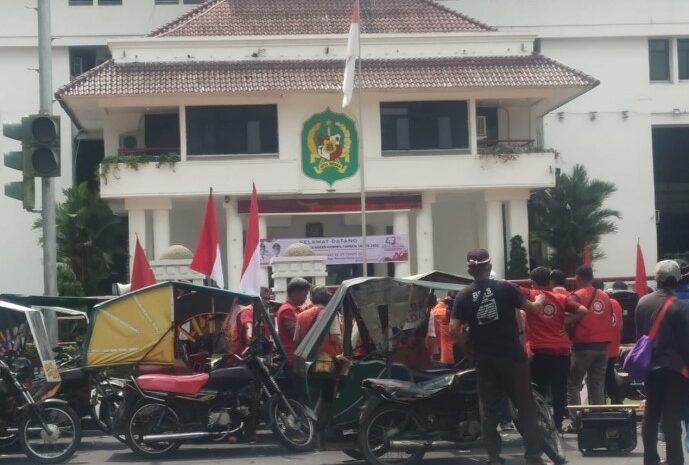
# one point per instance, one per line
(352, 55)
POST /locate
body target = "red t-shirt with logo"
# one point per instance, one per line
(546, 329)
(286, 318)
(595, 327)
(616, 323)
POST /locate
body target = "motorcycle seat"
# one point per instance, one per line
(409, 390)
(189, 384)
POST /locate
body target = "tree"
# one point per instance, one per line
(570, 214)
(517, 265)
(91, 241)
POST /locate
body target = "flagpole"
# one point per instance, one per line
(362, 158)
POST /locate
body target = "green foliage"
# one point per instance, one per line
(67, 282)
(89, 239)
(570, 214)
(111, 165)
(517, 265)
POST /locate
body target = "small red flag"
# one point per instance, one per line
(640, 284)
(587, 254)
(142, 274)
(207, 257)
(251, 278)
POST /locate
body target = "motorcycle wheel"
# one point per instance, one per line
(553, 444)
(386, 423)
(354, 453)
(102, 411)
(295, 433)
(59, 442)
(145, 416)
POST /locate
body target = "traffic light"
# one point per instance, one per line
(24, 190)
(42, 142)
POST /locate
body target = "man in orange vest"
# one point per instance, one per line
(592, 333)
(441, 320)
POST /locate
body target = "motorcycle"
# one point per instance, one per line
(48, 430)
(400, 420)
(161, 411)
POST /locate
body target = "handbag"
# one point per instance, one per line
(640, 359)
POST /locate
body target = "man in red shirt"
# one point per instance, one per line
(441, 323)
(241, 329)
(612, 388)
(332, 344)
(558, 282)
(592, 333)
(286, 316)
(549, 342)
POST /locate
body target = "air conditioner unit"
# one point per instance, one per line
(128, 141)
(481, 127)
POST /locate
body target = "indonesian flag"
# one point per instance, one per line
(352, 55)
(142, 274)
(251, 279)
(207, 257)
(640, 284)
(588, 261)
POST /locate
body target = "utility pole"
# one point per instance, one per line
(45, 80)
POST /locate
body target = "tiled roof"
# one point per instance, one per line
(295, 17)
(111, 78)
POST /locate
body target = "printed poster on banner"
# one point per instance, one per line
(343, 250)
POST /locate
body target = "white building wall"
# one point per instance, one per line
(607, 40)
(21, 257)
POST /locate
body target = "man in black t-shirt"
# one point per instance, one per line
(488, 308)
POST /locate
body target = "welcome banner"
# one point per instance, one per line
(343, 250)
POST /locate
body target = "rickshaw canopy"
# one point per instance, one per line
(14, 321)
(382, 307)
(144, 326)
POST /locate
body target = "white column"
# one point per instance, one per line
(161, 232)
(473, 141)
(137, 227)
(400, 227)
(495, 236)
(263, 234)
(183, 133)
(235, 245)
(424, 234)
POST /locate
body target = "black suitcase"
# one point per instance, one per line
(611, 430)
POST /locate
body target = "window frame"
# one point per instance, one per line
(80, 3)
(109, 2)
(232, 155)
(667, 59)
(166, 2)
(425, 151)
(683, 40)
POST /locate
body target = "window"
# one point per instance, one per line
(232, 130)
(193, 2)
(161, 134)
(110, 2)
(166, 2)
(80, 2)
(440, 125)
(82, 59)
(659, 59)
(683, 58)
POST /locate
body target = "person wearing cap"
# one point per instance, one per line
(591, 336)
(667, 387)
(487, 308)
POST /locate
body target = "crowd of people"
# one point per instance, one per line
(547, 333)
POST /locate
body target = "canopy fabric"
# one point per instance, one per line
(12, 318)
(383, 305)
(142, 326)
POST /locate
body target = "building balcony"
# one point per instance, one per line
(283, 175)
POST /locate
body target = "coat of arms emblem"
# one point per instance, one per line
(330, 149)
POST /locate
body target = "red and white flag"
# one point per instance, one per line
(640, 284)
(142, 274)
(588, 261)
(352, 55)
(207, 257)
(251, 278)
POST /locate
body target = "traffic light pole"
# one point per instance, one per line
(45, 80)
